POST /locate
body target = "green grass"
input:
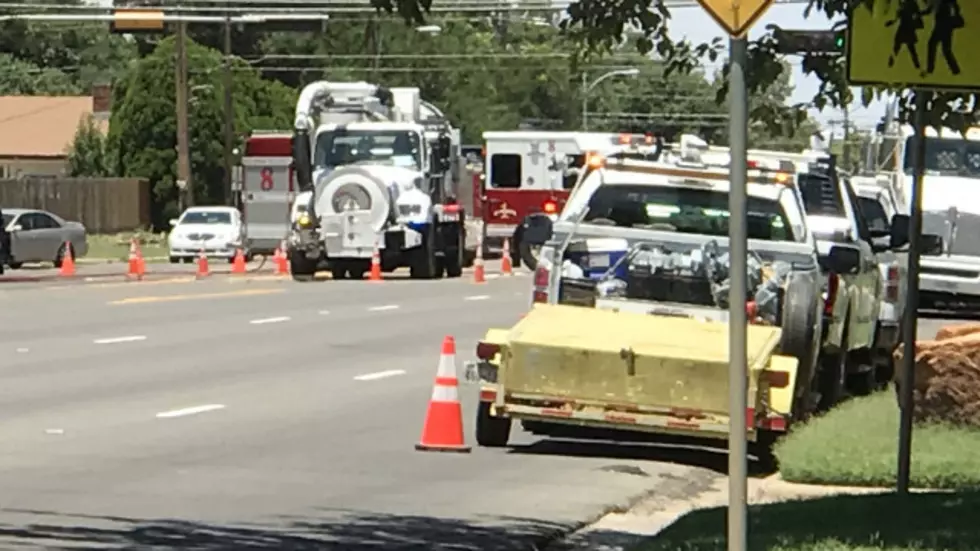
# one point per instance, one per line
(856, 445)
(918, 522)
(116, 246)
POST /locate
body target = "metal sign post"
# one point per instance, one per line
(736, 17)
(737, 318)
(910, 323)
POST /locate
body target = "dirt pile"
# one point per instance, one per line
(947, 376)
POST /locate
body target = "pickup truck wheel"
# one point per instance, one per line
(862, 384)
(423, 263)
(454, 254)
(798, 323)
(763, 449)
(833, 375)
(339, 271)
(491, 432)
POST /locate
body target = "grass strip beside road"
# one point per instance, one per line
(884, 522)
(857, 445)
(115, 247)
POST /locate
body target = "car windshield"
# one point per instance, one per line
(686, 210)
(344, 147)
(947, 156)
(206, 217)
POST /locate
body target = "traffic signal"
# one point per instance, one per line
(829, 42)
(137, 21)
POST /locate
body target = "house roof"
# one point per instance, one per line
(41, 126)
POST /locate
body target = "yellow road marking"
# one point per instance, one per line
(197, 296)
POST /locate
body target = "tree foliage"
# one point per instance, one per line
(142, 130)
(88, 153)
(598, 28)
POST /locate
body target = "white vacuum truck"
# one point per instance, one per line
(374, 167)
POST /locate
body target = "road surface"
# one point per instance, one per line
(265, 414)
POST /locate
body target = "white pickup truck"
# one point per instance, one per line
(853, 301)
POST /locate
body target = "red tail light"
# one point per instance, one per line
(486, 350)
(833, 282)
(752, 164)
(549, 207)
(891, 289)
(541, 281)
(751, 310)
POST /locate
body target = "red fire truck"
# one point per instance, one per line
(268, 189)
(532, 172)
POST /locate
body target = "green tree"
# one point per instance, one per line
(142, 131)
(598, 26)
(87, 155)
(18, 77)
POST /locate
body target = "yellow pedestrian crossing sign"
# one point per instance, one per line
(736, 16)
(914, 43)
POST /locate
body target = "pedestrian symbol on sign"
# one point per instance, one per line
(917, 40)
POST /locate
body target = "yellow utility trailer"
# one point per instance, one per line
(598, 368)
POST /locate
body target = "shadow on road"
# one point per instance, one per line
(340, 530)
(711, 455)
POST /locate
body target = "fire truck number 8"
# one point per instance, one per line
(266, 183)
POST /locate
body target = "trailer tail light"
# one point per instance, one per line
(751, 310)
(541, 280)
(891, 285)
(776, 379)
(550, 207)
(833, 283)
(486, 351)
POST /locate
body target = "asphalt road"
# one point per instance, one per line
(265, 414)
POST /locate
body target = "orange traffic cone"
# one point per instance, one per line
(68, 261)
(375, 266)
(238, 263)
(506, 266)
(136, 266)
(443, 429)
(281, 260)
(479, 276)
(202, 265)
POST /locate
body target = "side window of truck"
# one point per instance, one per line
(821, 195)
(505, 170)
(860, 219)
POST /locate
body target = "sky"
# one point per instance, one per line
(697, 26)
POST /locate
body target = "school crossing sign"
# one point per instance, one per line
(915, 43)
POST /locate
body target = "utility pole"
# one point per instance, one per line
(184, 184)
(847, 139)
(230, 197)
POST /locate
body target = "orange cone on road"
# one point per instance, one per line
(443, 429)
(281, 260)
(238, 263)
(137, 266)
(68, 261)
(506, 266)
(479, 276)
(202, 265)
(375, 274)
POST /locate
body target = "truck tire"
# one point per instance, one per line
(423, 263)
(491, 432)
(300, 267)
(832, 375)
(797, 319)
(454, 252)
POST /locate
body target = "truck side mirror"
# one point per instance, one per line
(440, 154)
(537, 230)
(932, 245)
(901, 224)
(844, 259)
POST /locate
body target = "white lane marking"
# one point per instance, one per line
(22, 350)
(379, 375)
(189, 411)
(384, 308)
(54, 431)
(324, 312)
(262, 321)
(117, 340)
(477, 297)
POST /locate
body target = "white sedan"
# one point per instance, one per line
(217, 231)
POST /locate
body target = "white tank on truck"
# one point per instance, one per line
(377, 163)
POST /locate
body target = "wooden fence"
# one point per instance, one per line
(104, 205)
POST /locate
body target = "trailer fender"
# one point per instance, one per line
(780, 399)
